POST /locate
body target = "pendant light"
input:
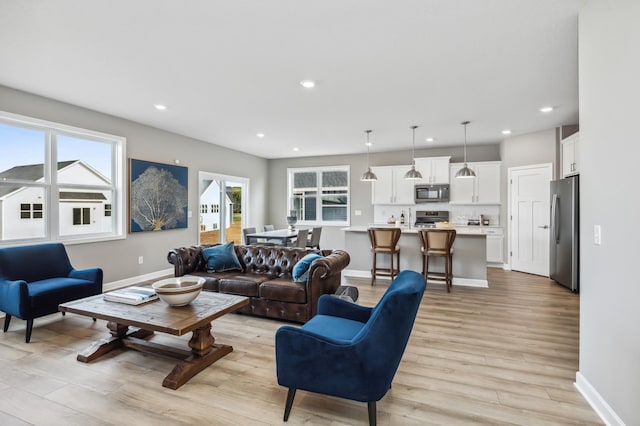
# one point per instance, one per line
(413, 173)
(368, 176)
(465, 172)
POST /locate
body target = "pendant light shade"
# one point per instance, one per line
(465, 172)
(368, 176)
(413, 173)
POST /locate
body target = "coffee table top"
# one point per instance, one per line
(157, 315)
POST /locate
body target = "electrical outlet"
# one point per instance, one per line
(140, 260)
(358, 212)
(597, 235)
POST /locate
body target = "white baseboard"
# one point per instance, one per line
(468, 282)
(135, 280)
(599, 405)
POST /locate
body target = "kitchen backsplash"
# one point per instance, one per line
(457, 213)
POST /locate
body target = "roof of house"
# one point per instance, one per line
(29, 173)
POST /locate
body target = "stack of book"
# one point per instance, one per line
(131, 295)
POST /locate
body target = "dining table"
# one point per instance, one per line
(283, 237)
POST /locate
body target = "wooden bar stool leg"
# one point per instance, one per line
(374, 269)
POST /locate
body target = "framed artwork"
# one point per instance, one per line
(158, 196)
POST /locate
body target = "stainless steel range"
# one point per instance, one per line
(428, 219)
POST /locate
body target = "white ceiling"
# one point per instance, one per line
(228, 70)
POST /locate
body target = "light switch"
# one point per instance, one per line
(189, 213)
(597, 235)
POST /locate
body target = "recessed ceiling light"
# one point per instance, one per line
(368, 143)
(546, 109)
(506, 132)
(430, 139)
(160, 107)
(308, 84)
(260, 135)
(296, 149)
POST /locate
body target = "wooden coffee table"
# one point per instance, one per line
(158, 316)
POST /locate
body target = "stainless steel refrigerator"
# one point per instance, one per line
(565, 227)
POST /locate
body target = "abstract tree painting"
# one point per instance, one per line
(158, 196)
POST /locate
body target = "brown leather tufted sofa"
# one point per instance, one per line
(266, 278)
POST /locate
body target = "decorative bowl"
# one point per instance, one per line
(178, 291)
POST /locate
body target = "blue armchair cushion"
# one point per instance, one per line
(300, 270)
(221, 258)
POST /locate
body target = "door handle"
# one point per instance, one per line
(544, 226)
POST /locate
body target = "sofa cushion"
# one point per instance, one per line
(221, 258)
(301, 268)
(212, 279)
(242, 285)
(284, 290)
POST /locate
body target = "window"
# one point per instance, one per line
(25, 211)
(82, 216)
(203, 208)
(58, 177)
(320, 195)
(215, 208)
(28, 211)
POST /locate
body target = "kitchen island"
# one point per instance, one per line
(469, 254)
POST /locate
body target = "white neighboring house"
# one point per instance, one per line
(82, 211)
(210, 208)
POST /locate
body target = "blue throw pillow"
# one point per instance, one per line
(221, 258)
(301, 269)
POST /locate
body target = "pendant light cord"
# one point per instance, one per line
(368, 146)
(464, 123)
(413, 150)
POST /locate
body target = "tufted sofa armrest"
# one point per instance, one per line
(325, 275)
(186, 260)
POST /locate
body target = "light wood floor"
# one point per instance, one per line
(503, 355)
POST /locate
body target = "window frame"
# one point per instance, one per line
(319, 197)
(51, 187)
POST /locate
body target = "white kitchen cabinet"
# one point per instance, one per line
(495, 242)
(483, 189)
(391, 186)
(434, 170)
(570, 150)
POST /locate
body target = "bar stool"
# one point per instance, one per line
(438, 243)
(385, 241)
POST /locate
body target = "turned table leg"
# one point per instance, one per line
(204, 352)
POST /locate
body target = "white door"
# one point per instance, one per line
(529, 210)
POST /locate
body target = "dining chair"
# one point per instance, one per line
(303, 235)
(245, 232)
(269, 228)
(438, 243)
(314, 242)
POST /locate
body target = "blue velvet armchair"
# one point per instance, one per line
(35, 279)
(347, 350)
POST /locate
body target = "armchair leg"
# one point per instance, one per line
(29, 328)
(287, 408)
(7, 320)
(63, 313)
(371, 405)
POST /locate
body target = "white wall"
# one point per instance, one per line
(119, 259)
(609, 70)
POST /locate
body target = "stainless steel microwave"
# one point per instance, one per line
(431, 193)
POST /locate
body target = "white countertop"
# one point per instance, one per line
(460, 229)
